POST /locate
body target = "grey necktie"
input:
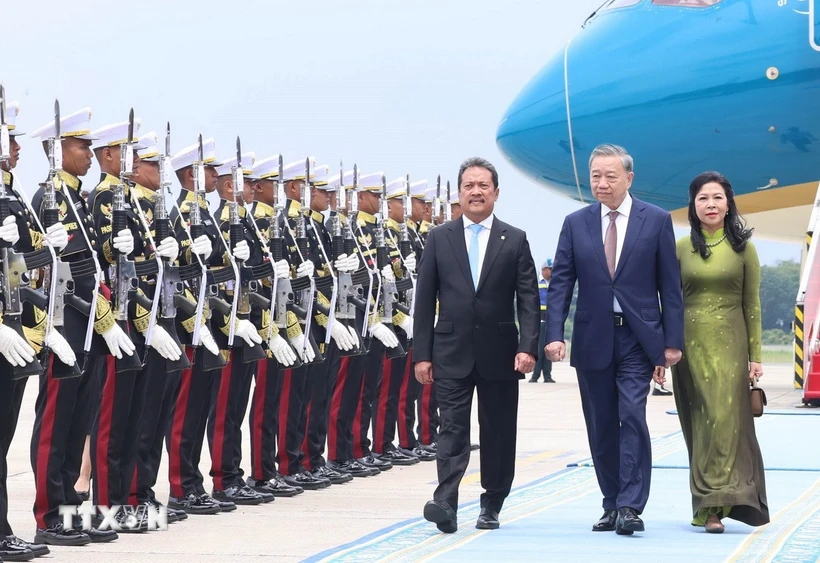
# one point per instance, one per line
(611, 243)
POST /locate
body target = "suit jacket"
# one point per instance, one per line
(476, 327)
(646, 283)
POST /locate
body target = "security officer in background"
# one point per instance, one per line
(543, 365)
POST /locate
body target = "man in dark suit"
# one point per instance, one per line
(476, 268)
(628, 326)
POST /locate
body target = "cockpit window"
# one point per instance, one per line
(687, 3)
(620, 4)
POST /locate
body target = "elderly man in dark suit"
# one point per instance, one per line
(475, 269)
(628, 327)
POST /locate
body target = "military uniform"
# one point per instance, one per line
(428, 417)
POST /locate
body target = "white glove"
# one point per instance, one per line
(385, 335)
(124, 242)
(168, 248)
(165, 346)
(282, 269)
(342, 336)
(345, 263)
(118, 342)
(407, 326)
(387, 274)
(202, 246)
(306, 353)
(57, 344)
(8, 232)
(14, 347)
(355, 336)
(410, 262)
(281, 351)
(247, 332)
(57, 236)
(305, 269)
(242, 251)
(207, 339)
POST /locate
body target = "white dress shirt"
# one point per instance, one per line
(621, 222)
(483, 239)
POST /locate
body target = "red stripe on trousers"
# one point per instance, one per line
(284, 407)
(132, 498)
(401, 421)
(258, 418)
(44, 446)
(424, 415)
(358, 452)
(335, 407)
(305, 450)
(174, 455)
(219, 424)
(104, 430)
(380, 416)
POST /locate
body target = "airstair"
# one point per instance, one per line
(807, 315)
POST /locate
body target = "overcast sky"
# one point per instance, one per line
(400, 86)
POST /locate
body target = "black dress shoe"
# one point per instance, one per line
(474, 447)
(335, 477)
(131, 521)
(274, 487)
(442, 515)
(661, 391)
(266, 497)
(12, 552)
(423, 455)
(173, 515)
(57, 535)
(372, 461)
(352, 468)
(628, 522)
(533, 380)
(607, 522)
(193, 504)
(487, 519)
(549, 380)
(305, 480)
(84, 495)
(238, 495)
(37, 549)
(224, 505)
(395, 457)
(432, 448)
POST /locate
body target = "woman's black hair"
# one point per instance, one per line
(734, 225)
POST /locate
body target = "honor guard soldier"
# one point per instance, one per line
(396, 369)
(123, 384)
(264, 411)
(64, 407)
(231, 388)
(455, 206)
(410, 391)
(20, 231)
(195, 168)
(292, 403)
(321, 376)
(163, 375)
(347, 386)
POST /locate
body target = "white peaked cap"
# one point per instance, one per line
(371, 182)
(335, 183)
(248, 158)
(267, 168)
(12, 111)
(150, 144)
(187, 156)
(77, 124)
(396, 188)
(418, 189)
(115, 134)
(296, 170)
(321, 177)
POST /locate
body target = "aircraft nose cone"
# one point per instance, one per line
(534, 134)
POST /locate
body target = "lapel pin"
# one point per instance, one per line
(503, 237)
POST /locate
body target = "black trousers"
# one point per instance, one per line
(344, 405)
(428, 411)
(542, 365)
(61, 423)
(364, 413)
(11, 397)
(229, 401)
(409, 395)
(162, 389)
(497, 420)
(386, 404)
(187, 430)
(116, 430)
(264, 419)
(292, 419)
(320, 381)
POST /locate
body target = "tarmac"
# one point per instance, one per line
(551, 436)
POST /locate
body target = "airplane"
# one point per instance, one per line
(685, 86)
(688, 86)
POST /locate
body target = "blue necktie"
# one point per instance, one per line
(473, 252)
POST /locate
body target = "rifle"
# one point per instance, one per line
(448, 208)
(62, 282)
(438, 210)
(15, 265)
(124, 280)
(389, 293)
(372, 280)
